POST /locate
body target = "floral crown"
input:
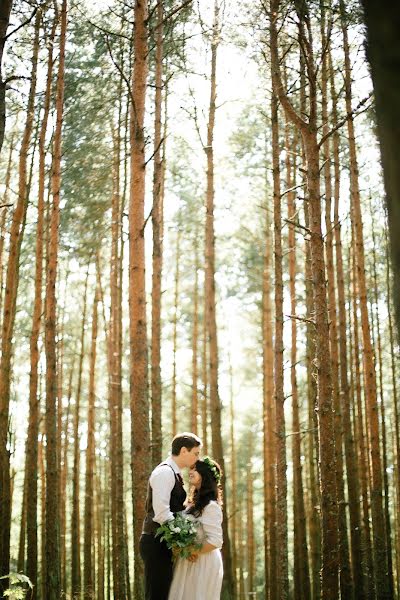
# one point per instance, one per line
(211, 465)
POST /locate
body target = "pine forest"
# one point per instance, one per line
(200, 232)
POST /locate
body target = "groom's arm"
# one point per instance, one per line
(162, 483)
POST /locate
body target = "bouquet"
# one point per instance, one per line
(180, 535)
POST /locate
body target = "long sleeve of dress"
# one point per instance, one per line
(211, 520)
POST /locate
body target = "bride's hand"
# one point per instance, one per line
(194, 555)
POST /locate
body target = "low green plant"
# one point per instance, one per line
(17, 589)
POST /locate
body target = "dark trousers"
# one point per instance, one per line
(157, 560)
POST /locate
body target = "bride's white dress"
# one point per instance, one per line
(201, 580)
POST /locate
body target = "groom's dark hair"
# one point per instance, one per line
(184, 440)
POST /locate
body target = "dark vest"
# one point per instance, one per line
(178, 497)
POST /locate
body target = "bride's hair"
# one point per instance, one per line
(209, 490)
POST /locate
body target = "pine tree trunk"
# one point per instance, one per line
(345, 575)
(377, 345)
(394, 382)
(313, 437)
(175, 333)
(383, 54)
(360, 435)
(302, 587)
(329, 510)
(205, 398)
(88, 581)
(268, 421)
(195, 335)
(9, 310)
(75, 516)
(282, 575)
(378, 522)
(5, 10)
(140, 443)
(114, 345)
(42, 477)
(63, 484)
(233, 486)
(157, 219)
(100, 513)
(3, 218)
(53, 574)
(349, 446)
(215, 401)
(33, 425)
(250, 528)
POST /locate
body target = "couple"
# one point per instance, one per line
(200, 576)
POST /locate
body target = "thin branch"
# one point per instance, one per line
(352, 113)
(292, 189)
(303, 227)
(172, 13)
(154, 153)
(302, 319)
(22, 24)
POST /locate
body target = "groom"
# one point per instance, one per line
(165, 496)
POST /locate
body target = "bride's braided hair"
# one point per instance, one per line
(210, 488)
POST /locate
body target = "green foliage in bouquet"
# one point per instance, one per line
(180, 535)
(17, 589)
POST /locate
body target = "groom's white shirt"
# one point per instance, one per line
(162, 482)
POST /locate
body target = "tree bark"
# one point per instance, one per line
(5, 11)
(157, 221)
(9, 309)
(76, 579)
(378, 523)
(268, 420)
(88, 581)
(140, 442)
(383, 23)
(53, 573)
(329, 511)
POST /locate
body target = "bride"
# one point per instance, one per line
(200, 576)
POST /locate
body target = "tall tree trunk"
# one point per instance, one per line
(100, 513)
(42, 477)
(205, 378)
(33, 425)
(268, 420)
(63, 483)
(9, 308)
(250, 541)
(378, 522)
(233, 477)
(215, 401)
(88, 581)
(302, 588)
(157, 219)
(140, 446)
(75, 516)
(3, 217)
(345, 575)
(195, 335)
(5, 10)
(394, 382)
(282, 575)
(383, 53)
(114, 346)
(329, 510)
(360, 433)
(175, 333)
(353, 486)
(53, 574)
(377, 344)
